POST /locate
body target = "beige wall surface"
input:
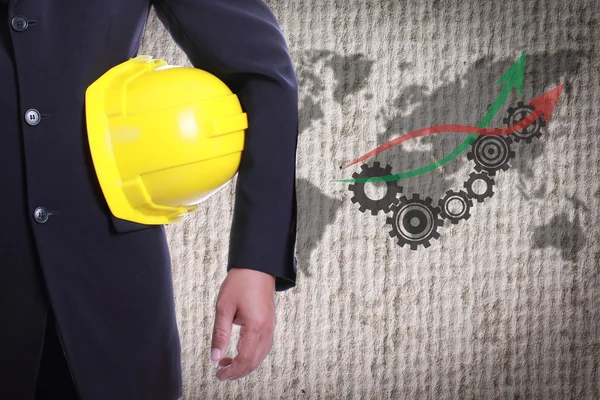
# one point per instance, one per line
(505, 304)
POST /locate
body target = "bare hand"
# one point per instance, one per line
(247, 299)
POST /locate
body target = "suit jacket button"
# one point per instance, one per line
(41, 215)
(32, 117)
(19, 23)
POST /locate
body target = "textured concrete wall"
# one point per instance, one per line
(505, 304)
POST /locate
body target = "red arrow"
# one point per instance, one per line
(546, 102)
(544, 105)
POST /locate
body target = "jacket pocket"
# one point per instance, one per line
(123, 226)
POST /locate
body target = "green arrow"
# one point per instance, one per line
(513, 77)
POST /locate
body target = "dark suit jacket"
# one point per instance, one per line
(107, 280)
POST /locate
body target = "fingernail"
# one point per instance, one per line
(220, 373)
(215, 354)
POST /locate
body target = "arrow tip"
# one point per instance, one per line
(547, 101)
(515, 74)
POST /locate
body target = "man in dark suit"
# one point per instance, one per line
(86, 301)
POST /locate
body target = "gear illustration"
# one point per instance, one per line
(415, 221)
(449, 209)
(482, 176)
(529, 132)
(491, 153)
(360, 196)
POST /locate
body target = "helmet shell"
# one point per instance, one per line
(162, 138)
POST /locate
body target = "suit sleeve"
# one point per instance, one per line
(240, 42)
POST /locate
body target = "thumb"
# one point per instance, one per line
(221, 333)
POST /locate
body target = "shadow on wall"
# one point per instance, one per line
(563, 232)
(350, 72)
(316, 211)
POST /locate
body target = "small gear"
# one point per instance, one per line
(448, 209)
(529, 132)
(360, 196)
(491, 153)
(489, 191)
(415, 221)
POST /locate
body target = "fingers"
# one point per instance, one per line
(221, 332)
(253, 346)
(247, 356)
(224, 362)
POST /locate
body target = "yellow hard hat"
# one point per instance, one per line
(162, 138)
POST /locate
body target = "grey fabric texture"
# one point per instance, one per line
(503, 305)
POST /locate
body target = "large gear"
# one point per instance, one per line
(491, 153)
(360, 196)
(415, 221)
(534, 130)
(489, 191)
(447, 206)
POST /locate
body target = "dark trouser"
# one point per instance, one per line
(54, 379)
